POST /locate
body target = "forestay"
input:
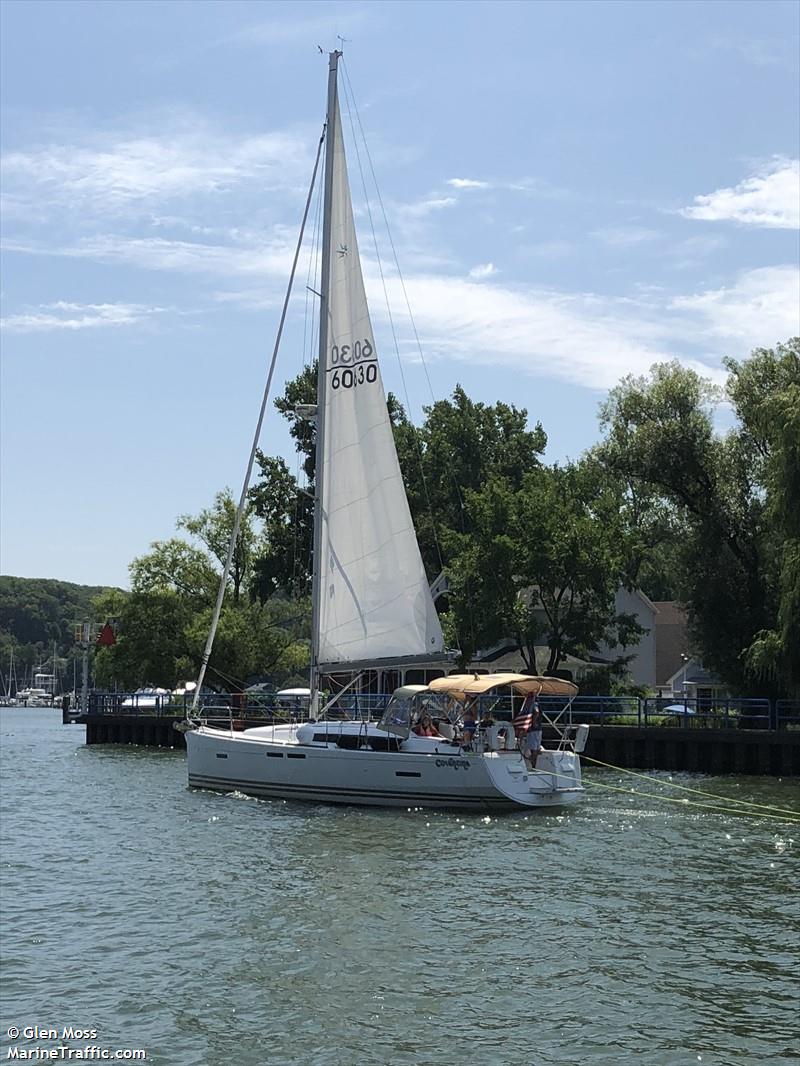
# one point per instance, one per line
(374, 601)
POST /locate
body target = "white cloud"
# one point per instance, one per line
(760, 52)
(624, 236)
(583, 338)
(483, 270)
(314, 31)
(424, 207)
(526, 185)
(467, 183)
(586, 339)
(689, 254)
(112, 175)
(759, 309)
(250, 299)
(191, 257)
(698, 247)
(574, 338)
(770, 198)
(536, 186)
(72, 316)
(591, 340)
(555, 249)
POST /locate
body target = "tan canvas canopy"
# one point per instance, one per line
(460, 686)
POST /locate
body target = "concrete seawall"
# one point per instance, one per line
(708, 751)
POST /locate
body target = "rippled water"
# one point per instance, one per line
(214, 929)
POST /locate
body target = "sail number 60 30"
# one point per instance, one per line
(358, 375)
(347, 354)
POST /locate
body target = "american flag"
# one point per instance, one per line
(523, 719)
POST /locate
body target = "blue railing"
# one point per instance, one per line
(786, 714)
(703, 713)
(709, 712)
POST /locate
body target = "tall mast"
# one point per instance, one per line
(322, 362)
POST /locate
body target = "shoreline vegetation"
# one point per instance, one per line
(530, 552)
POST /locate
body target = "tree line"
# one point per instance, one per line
(35, 615)
(533, 553)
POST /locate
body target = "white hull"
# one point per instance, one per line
(424, 773)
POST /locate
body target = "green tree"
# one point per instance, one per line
(287, 511)
(252, 639)
(35, 612)
(727, 492)
(652, 535)
(164, 622)
(286, 507)
(765, 391)
(151, 647)
(460, 445)
(301, 392)
(175, 566)
(214, 526)
(169, 585)
(542, 563)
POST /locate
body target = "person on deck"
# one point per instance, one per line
(468, 727)
(425, 727)
(530, 742)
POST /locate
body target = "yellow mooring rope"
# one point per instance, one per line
(691, 803)
(793, 815)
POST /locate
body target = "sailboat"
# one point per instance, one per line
(7, 698)
(372, 606)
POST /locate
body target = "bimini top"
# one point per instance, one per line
(460, 686)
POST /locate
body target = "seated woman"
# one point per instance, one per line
(425, 727)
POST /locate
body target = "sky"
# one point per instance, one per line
(575, 191)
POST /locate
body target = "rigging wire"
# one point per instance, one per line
(310, 294)
(309, 343)
(696, 791)
(389, 234)
(235, 684)
(257, 434)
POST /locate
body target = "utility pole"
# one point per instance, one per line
(87, 629)
(83, 636)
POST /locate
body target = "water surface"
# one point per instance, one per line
(215, 929)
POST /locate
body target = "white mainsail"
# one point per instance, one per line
(373, 597)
